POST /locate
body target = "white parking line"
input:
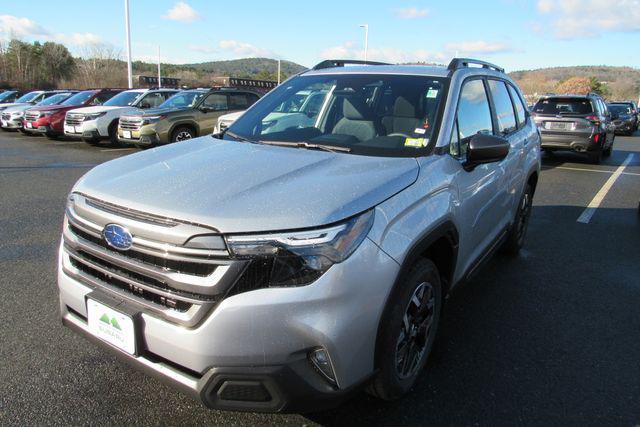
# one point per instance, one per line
(117, 149)
(585, 217)
(594, 170)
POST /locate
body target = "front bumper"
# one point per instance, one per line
(12, 123)
(145, 135)
(87, 130)
(625, 127)
(262, 338)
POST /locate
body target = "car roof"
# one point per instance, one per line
(412, 70)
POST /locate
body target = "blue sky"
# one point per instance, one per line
(518, 34)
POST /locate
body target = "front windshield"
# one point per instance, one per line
(28, 97)
(55, 99)
(183, 99)
(123, 99)
(79, 98)
(5, 95)
(386, 115)
(619, 109)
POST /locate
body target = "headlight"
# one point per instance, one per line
(299, 257)
(152, 119)
(93, 116)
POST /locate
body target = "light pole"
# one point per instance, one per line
(366, 39)
(278, 72)
(159, 75)
(128, 31)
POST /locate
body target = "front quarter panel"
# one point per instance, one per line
(408, 217)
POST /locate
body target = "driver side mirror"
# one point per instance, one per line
(207, 109)
(484, 148)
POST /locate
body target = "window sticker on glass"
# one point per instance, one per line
(420, 131)
(416, 142)
(432, 93)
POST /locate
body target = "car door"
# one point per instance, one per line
(610, 128)
(213, 106)
(482, 190)
(507, 127)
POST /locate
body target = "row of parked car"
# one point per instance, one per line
(149, 117)
(143, 117)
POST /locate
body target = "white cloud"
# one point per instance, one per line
(203, 49)
(571, 19)
(16, 27)
(411, 13)
(182, 12)
(26, 29)
(478, 47)
(241, 49)
(351, 50)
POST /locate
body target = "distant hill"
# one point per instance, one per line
(620, 83)
(247, 67)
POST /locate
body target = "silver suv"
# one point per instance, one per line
(282, 269)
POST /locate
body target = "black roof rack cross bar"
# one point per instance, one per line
(457, 63)
(332, 63)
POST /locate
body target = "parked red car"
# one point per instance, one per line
(49, 120)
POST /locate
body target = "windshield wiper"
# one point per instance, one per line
(239, 138)
(309, 146)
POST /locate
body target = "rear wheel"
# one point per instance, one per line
(408, 331)
(182, 133)
(595, 156)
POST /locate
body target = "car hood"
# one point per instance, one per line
(101, 108)
(17, 107)
(160, 111)
(231, 116)
(14, 104)
(242, 187)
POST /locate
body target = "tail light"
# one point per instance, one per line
(594, 119)
(596, 137)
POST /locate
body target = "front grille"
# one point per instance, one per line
(6, 116)
(31, 116)
(193, 268)
(180, 306)
(132, 124)
(74, 119)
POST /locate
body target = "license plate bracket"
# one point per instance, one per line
(126, 134)
(114, 322)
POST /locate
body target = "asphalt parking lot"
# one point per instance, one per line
(549, 338)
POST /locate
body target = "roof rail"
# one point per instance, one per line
(332, 63)
(458, 63)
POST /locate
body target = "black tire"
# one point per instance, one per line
(22, 131)
(395, 376)
(595, 156)
(182, 133)
(113, 134)
(52, 136)
(518, 231)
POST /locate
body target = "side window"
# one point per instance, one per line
(152, 100)
(238, 101)
(520, 108)
(454, 147)
(504, 108)
(474, 113)
(216, 101)
(167, 95)
(103, 97)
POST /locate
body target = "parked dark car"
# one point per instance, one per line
(579, 123)
(627, 120)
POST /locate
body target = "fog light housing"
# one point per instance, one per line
(322, 362)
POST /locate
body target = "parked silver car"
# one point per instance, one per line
(282, 270)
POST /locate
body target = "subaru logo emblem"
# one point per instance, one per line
(117, 237)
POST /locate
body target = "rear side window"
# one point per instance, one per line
(563, 105)
(216, 101)
(504, 108)
(520, 108)
(241, 101)
(474, 115)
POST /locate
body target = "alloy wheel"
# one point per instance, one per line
(415, 331)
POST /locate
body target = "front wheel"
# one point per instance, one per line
(408, 331)
(182, 133)
(518, 232)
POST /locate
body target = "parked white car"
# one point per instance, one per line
(94, 124)
(303, 108)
